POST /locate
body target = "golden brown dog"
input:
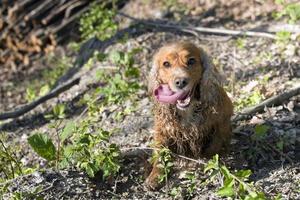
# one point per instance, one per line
(191, 109)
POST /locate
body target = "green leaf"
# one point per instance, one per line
(104, 135)
(85, 139)
(174, 192)
(261, 130)
(212, 163)
(43, 146)
(243, 173)
(279, 2)
(44, 90)
(67, 131)
(283, 36)
(59, 111)
(90, 170)
(226, 192)
(115, 56)
(30, 94)
(255, 196)
(225, 171)
(280, 145)
(68, 151)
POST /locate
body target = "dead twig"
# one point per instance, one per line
(53, 93)
(194, 30)
(274, 28)
(273, 101)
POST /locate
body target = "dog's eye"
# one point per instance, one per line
(166, 64)
(191, 61)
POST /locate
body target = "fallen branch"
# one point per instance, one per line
(194, 30)
(273, 101)
(274, 28)
(53, 93)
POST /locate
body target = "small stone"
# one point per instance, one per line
(256, 120)
(290, 50)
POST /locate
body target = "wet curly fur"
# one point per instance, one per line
(202, 129)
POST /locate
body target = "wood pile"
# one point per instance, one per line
(30, 28)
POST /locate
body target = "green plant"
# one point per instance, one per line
(30, 94)
(10, 165)
(164, 161)
(58, 112)
(90, 151)
(233, 184)
(43, 146)
(290, 10)
(98, 22)
(254, 98)
(260, 132)
(240, 43)
(118, 87)
(191, 185)
(175, 192)
(283, 37)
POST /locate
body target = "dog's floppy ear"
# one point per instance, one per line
(210, 81)
(153, 82)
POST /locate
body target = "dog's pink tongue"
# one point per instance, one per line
(165, 95)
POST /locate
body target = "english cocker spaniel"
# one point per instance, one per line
(191, 109)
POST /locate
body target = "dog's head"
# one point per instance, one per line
(181, 73)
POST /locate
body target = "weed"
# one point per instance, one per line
(191, 185)
(58, 112)
(92, 152)
(164, 161)
(254, 98)
(86, 149)
(175, 192)
(283, 38)
(30, 94)
(119, 86)
(10, 165)
(290, 10)
(233, 184)
(260, 132)
(74, 46)
(43, 146)
(240, 43)
(98, 22)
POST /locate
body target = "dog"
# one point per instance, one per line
(191, 109)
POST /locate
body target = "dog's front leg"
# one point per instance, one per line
(152, 181)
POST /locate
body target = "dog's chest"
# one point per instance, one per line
(175, 120)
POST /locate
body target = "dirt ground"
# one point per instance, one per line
(244, 62)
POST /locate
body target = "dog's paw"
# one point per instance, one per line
(152, 183)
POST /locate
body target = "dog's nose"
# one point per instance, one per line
(181, 82)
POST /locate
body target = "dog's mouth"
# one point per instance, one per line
(181, 98)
